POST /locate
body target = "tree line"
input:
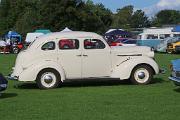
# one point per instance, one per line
(28, 15)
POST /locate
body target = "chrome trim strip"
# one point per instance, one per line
(131, 55)
(174, 79)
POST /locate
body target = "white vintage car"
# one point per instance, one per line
(56, 57)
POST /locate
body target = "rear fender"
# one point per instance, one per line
(30, 73)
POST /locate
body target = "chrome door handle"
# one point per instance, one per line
(78, 55)
(85, 55)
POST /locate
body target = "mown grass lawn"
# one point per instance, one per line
(91, 100)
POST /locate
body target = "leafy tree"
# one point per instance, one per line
(166, 17)
(139, 20)
(26, 16)
(4, 5)
(123, 17)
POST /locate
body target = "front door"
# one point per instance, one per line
(96, 60)
(69, 57)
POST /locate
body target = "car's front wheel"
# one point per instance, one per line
(141, 75)
(48, 79)
(169, 51)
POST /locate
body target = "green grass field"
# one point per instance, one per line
(91, 100)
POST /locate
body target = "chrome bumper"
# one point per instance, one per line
(174, 79)
(12, 77)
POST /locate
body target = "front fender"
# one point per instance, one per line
(30, 73)
(124, 69)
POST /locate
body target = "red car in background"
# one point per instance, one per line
(123, 42)
(117, 42)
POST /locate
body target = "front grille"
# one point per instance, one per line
(177, 74)
(169, 45)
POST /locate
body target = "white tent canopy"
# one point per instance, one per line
(30, 37)
(66, 30)
(110, 30)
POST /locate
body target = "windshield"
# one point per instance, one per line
(28, 45)
(31, 44)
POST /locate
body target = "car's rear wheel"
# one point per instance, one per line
(141, 75)
(48, 79)
(170, 51)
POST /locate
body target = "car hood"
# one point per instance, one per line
(176, 65)
(133, 51)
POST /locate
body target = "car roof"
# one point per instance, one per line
(71, 34)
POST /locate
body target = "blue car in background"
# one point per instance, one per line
(175, 75)
(3, 83)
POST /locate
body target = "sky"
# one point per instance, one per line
(151, 7)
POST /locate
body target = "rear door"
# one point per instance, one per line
(69, 57)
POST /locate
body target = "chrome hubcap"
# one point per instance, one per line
(141, 75)
(48, 79)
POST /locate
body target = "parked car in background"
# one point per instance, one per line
(116, 42)
(177, 49)
(15, 46)
(123, 42)
(152, 36)
(173, 47)
(14, 42)
(129, 42)
(47, 62)
(3, 83)
(175, 75)
(162, 47)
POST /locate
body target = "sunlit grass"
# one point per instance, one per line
(91, 100)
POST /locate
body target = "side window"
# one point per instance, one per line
(68, 44)
(152, 36)
(93, 44)
(48, 46)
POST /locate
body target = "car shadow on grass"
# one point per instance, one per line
(104, 82)
(95, 82)
(87, 83)
(7, 95)
(77, 83)
(26, 86)
(177, 89)
(157, 81)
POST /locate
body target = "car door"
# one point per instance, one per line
(96, 60)
(69, 57)
(47, 51)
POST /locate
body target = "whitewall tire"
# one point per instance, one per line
(48, 79)
(142, 74)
